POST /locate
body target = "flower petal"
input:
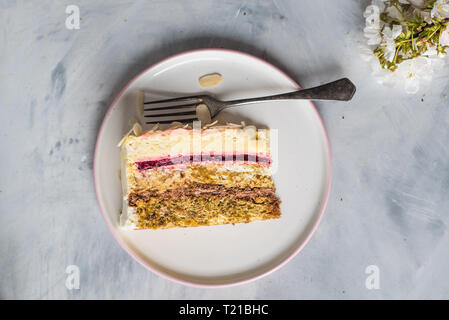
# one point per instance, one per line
(444, 38)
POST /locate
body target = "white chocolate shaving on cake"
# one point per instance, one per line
(211, 124)
(136, 129)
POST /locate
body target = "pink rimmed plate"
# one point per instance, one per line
(230, 254)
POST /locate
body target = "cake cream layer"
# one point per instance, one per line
(229, 174)
(226, 140)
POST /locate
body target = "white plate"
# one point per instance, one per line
(229, 254)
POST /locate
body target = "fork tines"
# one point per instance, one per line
(166, 111)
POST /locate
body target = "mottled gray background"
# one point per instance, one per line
(389, 200)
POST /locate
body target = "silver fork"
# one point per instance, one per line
(185, 108)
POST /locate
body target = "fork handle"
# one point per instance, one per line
(341, 90)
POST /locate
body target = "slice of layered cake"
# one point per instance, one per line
(182, 177)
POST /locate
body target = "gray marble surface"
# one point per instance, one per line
(388, 205)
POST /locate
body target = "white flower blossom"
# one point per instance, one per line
(414, 71)
(444, 38)
(440, 9)
(425, 15)
(394, 13)
(390, 34)
(417, 3)
(431, 52)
